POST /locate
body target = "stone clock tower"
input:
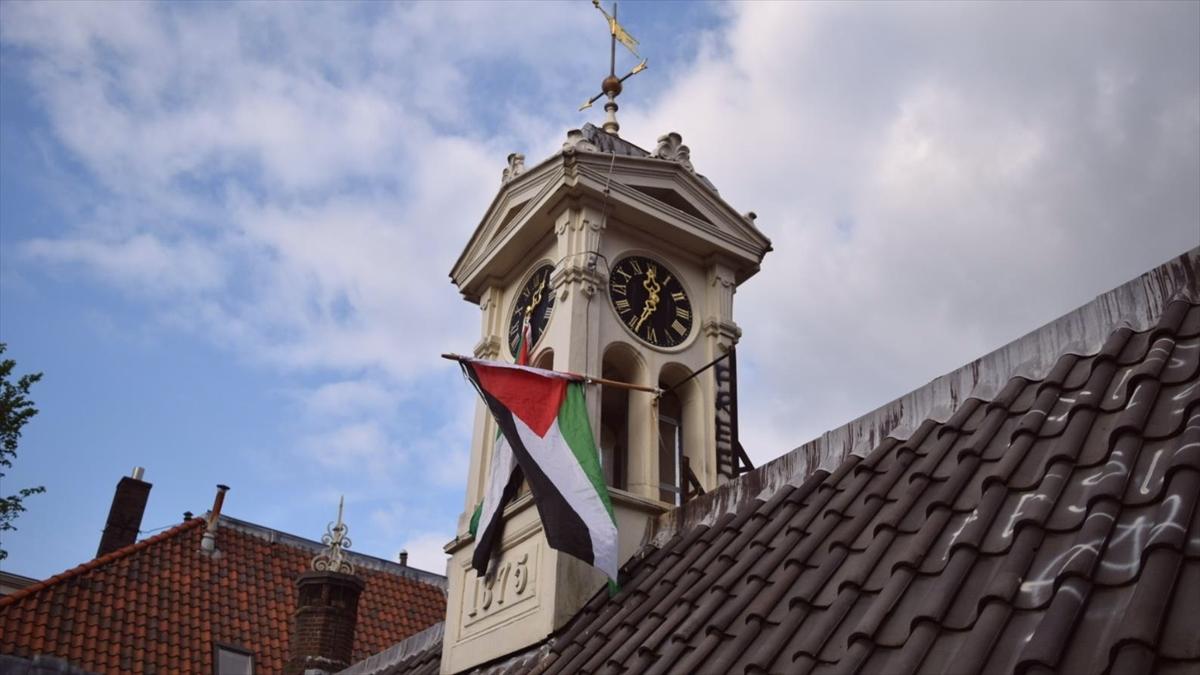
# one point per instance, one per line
(627, 262)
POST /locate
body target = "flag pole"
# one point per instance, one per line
(586, 378)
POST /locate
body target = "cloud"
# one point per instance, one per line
(348, 397)
(425, 552)
(142, 263)
(361, 446)
(936, 182)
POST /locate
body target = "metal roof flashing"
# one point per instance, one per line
(1135, 305)
(393, 656)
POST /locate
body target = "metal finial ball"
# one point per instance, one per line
(611, 85)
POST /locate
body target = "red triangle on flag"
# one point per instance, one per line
(532, 398)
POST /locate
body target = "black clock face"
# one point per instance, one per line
(536, 301)
(650, 301)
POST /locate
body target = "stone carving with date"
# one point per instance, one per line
(508, 583)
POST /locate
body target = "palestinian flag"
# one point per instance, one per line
(543, 417)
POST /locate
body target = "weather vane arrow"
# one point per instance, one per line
(612, 85)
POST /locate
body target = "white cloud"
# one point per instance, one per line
(936, 182)
(348, 398)
(363, 447)
(143, 263)
(425, 551)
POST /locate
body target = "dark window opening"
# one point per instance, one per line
(233, 661)
(670, 448)
(614, 430)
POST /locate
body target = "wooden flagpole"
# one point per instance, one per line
(585, 378)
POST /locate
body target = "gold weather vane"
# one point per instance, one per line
(611, 86)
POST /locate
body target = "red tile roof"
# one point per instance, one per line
(158, 606)
(1054, 528)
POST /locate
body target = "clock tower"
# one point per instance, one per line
(626, 261)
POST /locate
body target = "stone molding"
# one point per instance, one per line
(516, 167)
(671, 148)
(578, 142)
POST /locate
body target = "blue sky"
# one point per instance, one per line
(225, 229)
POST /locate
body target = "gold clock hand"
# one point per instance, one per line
(652, 288)
(537, 298)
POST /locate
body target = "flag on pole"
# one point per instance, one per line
(523, 348)
(503, 469)
(618, 31)
(542, 416)
(624, 37)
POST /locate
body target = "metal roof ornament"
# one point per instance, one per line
(612, 85)
(334, 559)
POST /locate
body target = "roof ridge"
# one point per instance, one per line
(360, 559)
(101, 561)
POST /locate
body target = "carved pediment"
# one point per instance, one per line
(682, 202)
(672, 198)
(657, 192)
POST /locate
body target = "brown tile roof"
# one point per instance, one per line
(1053, 528)
(159, 605)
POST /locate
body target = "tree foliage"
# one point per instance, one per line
(15, 410)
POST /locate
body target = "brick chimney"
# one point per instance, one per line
(323, 627)
(322, 638)
(125, 515)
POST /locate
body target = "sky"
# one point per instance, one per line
(226, 228)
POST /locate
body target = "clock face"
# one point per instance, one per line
(650, 301)
(536, 300)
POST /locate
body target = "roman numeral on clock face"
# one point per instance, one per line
(537, 287)
(650, 300)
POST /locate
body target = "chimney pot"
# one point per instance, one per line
(125, 514)
(138, 472)
(208, 542)
(403, 557)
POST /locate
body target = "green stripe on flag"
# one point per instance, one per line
(575, 429)
(473, 528)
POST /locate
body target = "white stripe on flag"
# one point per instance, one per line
(557, 461)
(502, 465)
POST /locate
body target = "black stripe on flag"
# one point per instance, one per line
(565, 530)
(489, 540)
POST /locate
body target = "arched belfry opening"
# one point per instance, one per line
(682, 461)
(670, 448)
(621, 363)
